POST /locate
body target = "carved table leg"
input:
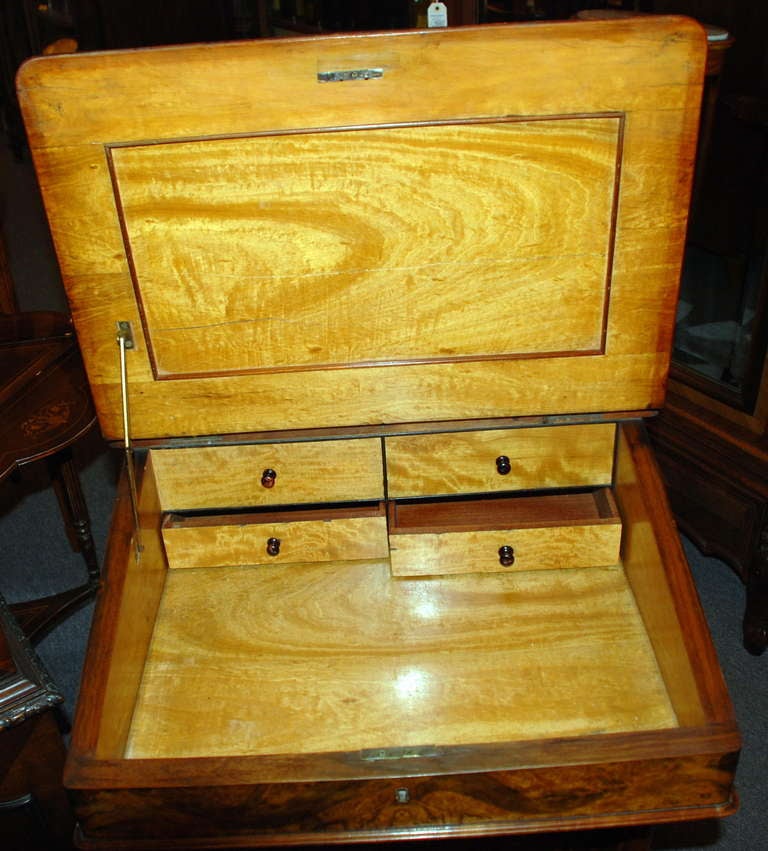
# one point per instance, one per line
(37, 617)
(756, 612)
(65, 476)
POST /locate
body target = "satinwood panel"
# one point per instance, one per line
(311, 471)
(358, 533)
(371, 246)
(341, 656)
(466, 462)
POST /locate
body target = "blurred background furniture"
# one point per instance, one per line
(7, 293)
(45, 406)
(34, 811)
(711, 436)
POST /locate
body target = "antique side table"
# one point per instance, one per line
(45, 406)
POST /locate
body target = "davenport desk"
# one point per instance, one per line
(377, 321)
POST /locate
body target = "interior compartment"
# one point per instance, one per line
(276, 537)
(548, 531)
(342, 656)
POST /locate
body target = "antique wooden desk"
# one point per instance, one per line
(377, 320)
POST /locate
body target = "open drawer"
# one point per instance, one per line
(544, 532)
(333, 700)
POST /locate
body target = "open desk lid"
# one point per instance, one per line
(415, 226)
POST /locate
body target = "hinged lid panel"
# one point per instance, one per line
(490, 224)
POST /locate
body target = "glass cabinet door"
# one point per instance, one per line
(720, 340)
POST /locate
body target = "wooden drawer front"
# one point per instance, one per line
(456, 805)
(277, 539)
(480, 552)
(466, 462)
(490, 536)
(228, 476)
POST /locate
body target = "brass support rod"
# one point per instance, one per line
(124, 340)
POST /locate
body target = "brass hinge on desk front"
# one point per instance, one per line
(125, 341)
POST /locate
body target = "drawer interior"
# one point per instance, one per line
(276, 537)
(248, 658)
(550, 531)
(548, 510)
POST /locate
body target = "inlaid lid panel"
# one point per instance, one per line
(363, 247)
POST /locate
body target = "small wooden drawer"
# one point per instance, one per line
(494, 535)
(343, 534)
(269, 474)
(500, 460)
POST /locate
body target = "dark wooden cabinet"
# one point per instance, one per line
(716, 471)
(711, 436)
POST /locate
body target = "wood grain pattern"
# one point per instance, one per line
(314, 247)
(524, 800)
(78, 107)
(544, 533)
(374, 395)
(660, 579)
(662, 84)
(233, 544)
(144, 584)
(230, 476)
(644, 562)
(275, 702)
(551, 548)
(123, 624)
(549, 457)
(340, 656)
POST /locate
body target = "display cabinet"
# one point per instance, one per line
(711, 435)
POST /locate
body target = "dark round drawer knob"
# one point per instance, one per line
(506, 556)
(268, 478)
(502, 465)
(273, 547)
